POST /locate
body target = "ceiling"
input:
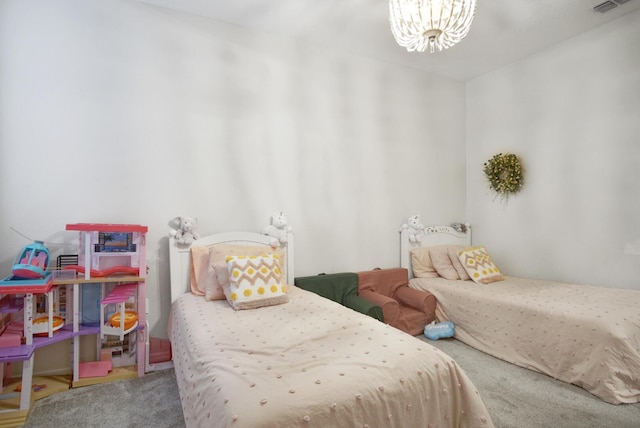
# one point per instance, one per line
(502, 32)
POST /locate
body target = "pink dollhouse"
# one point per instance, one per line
(112, 259)
(103, 295)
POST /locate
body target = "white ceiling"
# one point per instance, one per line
(502, 32)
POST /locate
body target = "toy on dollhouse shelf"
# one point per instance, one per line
(29, 271)
(30, 284)
(32, 261)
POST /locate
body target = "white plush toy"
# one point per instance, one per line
(185, 233)
(278, 229)
(415, 228)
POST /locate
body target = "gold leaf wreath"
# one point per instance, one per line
(505, 174)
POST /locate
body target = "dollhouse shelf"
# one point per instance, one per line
(11, 284)
(98, 280)
(24, 352)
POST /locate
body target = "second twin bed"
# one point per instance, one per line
(584, 335)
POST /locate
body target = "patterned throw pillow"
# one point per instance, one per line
(479, 265)
(219, 278)
(255, 281)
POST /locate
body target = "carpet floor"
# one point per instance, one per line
(515, 398)
(520, 398)
(148, 401)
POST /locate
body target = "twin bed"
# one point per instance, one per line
(584, 335)
(305, 361)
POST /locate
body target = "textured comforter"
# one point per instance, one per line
(312, 363)
(584, 335)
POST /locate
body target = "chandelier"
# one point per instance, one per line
(439, 24)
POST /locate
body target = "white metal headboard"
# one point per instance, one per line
(433, 235)
(180, 256)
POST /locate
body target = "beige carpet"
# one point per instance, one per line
(521, 398)
(515, 398)
(149, 401)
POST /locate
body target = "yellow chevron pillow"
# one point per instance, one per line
(479, 265)
(255, 281)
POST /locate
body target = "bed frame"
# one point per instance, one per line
(180, 256)
(433, 235)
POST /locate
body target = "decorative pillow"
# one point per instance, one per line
(479, 265)
(453, 256)
(255, 281)
(199, 274)
(442, 263)
(219, 277)
(421, 263)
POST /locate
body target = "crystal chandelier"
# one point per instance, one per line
(439, 24)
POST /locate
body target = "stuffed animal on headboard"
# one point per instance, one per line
(278, 229)
(415, 228)
(459, 227)
(185, 230)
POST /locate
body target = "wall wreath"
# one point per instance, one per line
(505, 174)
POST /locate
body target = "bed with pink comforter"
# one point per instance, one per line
(304, 361)
(584, 335)
(311, 363)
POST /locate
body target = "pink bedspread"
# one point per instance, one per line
(584, 335)
(312, 363)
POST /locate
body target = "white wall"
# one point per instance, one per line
(120, 112)
(572, 114)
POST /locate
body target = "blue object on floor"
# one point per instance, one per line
(441, 330)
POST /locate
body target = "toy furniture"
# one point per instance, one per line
(20, 339)
(341, 288)
(113, 258)
(404, 308)
(32, 262)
